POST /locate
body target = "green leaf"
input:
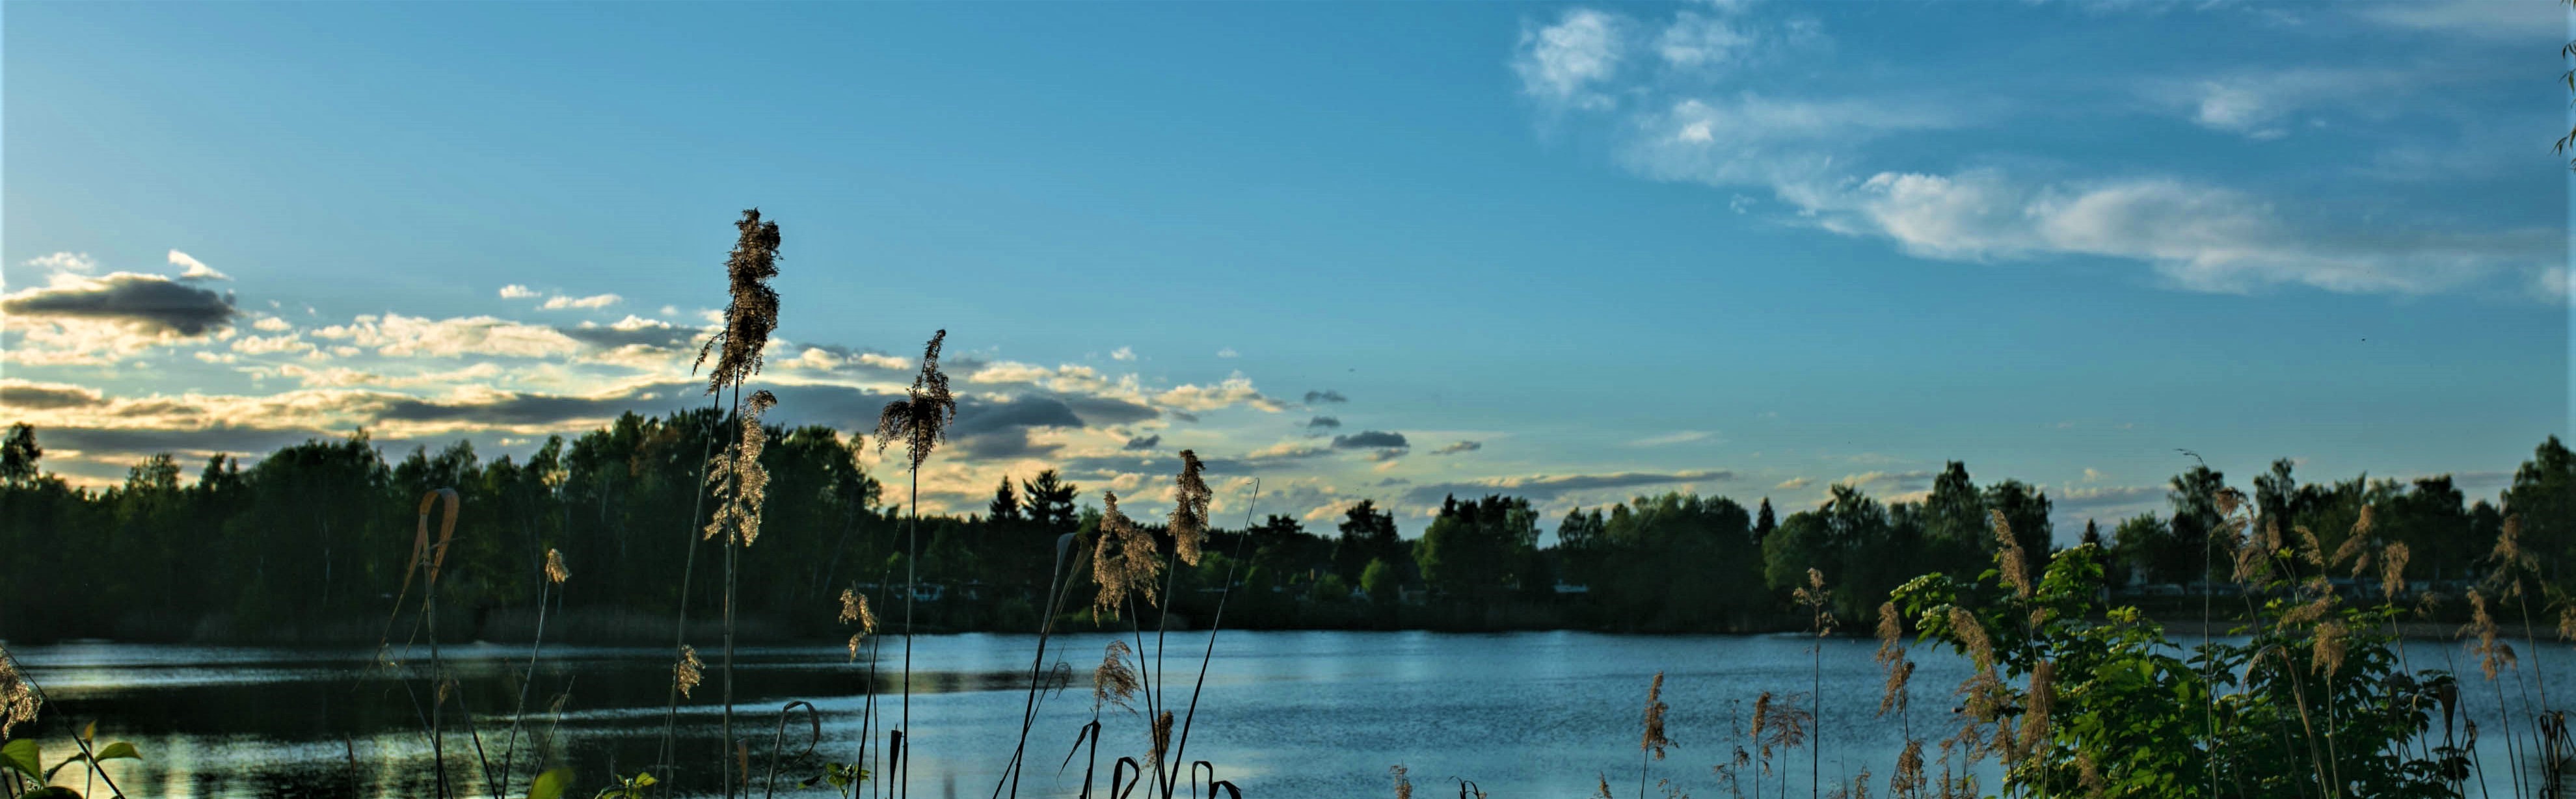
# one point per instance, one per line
(51, 792)
(551, 784)
(21, 754)
(49, 773)
(119, 750)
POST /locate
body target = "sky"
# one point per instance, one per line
(1573, 252)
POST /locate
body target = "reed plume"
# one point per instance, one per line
(920, 420)
(1403, 783)
(1654, 740)
(1114, 681)
(739, 481)
(2493, 655)
(1907, 781)
(2392, 569)
(1653, 743)
(2357, 545)
(2039, 702)
(2016, 565)
(1972, 636)
(753, 310)
(1190, 499)
(555, 571)
(19, 699)
(2310, 549)
(855, 610)
(1122, 560)
(690, 671)
(1162, 733)
(2334, 641)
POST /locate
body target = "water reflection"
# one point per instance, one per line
(1285, 714)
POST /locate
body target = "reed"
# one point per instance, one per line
(920, 421)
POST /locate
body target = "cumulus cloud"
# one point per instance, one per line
(74, 262)
(1324, 396)
(193, 269)
(1123, 354)
(27, 395)
(559, 302)
(1564, 64)
(1455, 447)
(1143, 443)
(1235, 390)
(1323, 423)
(1370, 439)
(146, 303)
(515, 291)
(396, 335)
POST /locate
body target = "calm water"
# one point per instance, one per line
(1284, 714)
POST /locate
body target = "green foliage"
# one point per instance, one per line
(629, 787)
(23, 756)
(2314, 697)
(1380, 582)
(1478, 550)
(551, 784)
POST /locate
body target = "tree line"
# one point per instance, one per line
(319, 532)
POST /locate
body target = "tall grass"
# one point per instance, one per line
(920, 420)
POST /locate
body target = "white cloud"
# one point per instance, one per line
(1561, 64)
(194, 269)
(272, 324)
(1123, 354)
(559, 302)
(1227, 352)
(2200, 238)
(1698, 40)
(72, 262)
(1668, 439)
(401, 336)
(515, 291)
(1236, 390)
(1793, 484)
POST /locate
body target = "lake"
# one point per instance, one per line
(1284, 714)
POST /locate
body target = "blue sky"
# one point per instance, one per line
(1580, 252)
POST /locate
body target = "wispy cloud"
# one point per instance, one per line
(1669, 439)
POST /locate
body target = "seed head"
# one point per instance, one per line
(740, 482)
(1190, 498)
(1123, 560)
(1972, 636)
(1403, 784)
(753, 310)
(920, 420)
(690, 671)
(2015, 566)
(1114, 681)
(555, 571)
(1654, 740)
(19, 698)
(2333, 641)
(2392, 569)
(2041, 699)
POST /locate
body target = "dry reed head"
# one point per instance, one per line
(1907, 781)
(2392, 569)
(1816, 597)
(1162, 739)
(2310, 549)
(854, 608)
(1123, 561)
(2228, 500)
(1605, 784)
(2016, 566)
(1891, 628)
(1761, 721)
(1654, 740)
(555, 571)
(18, 697)
(2088, 775)
(2567, 623)
(2357, 544)
(1893, 696)
(1788, 725)
(1114, 681)
(753, 310)
(689, 671)
(2333, 642)
(1972, 636)
(741, 483)
(2494, 655)
(920, 420)
(1190, 498)
(1403, 783)
(2041, 699)
(2255, 557)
